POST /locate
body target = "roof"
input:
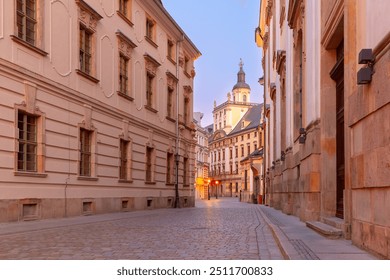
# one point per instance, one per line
(255, 154)
(252, 118)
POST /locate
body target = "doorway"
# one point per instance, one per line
(337, 74)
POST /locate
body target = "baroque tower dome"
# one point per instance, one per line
(241, 78)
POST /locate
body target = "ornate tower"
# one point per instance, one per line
(241, 90)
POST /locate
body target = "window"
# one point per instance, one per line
(231, 153)
(26, 20)
(150, 31)
(255, 144)
(169, 175)
(223, 154)
(185, 171)
(171, 50)
(27, 154)
(249, 136)
(123, 74)
(186, 66)
(85, 152)
(170, 103)
(249, 149)
(236, 168)
(88, 23)
(149, 165)
(236, 152)
(244, 98)
(186, 109)
(85, 50)
(124, 168)
(149, 89)
(242, 151)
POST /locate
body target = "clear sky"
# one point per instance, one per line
(224, 32)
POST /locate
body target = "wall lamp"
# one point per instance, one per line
(364, 75)
(302, 135)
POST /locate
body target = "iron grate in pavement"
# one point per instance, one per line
(304, 251)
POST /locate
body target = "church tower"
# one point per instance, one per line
(241, 90)
(227, 115)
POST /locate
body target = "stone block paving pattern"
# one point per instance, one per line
(214, 229)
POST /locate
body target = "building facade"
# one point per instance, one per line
(201, 158)
(326, 80)
(237, 134)
(96, 100)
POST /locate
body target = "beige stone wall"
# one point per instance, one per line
(45, 81)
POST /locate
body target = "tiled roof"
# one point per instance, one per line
(252, 117)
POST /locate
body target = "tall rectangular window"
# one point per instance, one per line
(123, 74)
(186, 109)
(85, 152)
(185, 171)
(123, 7)
(169, 175)
(124, 160)
(170, 50)
(85, 50)
(149, 165)
(149, 89)
(26, 20)
(150, 29)
(170, 103)
(27, 154)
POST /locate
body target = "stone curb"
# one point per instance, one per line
(287, 249)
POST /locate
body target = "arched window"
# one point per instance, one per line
(244, 98)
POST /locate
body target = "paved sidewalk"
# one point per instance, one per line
(298, 242)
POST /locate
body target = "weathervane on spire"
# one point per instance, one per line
(241, 63)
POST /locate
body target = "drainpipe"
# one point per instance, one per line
(177, 155)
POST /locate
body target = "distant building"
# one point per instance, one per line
(237, 135)
(201, 158)
(326, 78)
(96, 101)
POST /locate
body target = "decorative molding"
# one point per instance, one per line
(88, 16)
(171, 80)
(280, 61)
(125, 44)
(333, 27)
(295, 10)
(282, 15)
(187, 90)
(30, 92)
(268, 11)
(151, 64)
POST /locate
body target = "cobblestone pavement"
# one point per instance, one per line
(214, 229)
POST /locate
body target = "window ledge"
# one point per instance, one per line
(125, 18)
(30, 174)
(169, 184)
(170, 119)
(151, 42)
(125, 181)
(85, 178)
(171, 60)
(150, 183)
(124, 95)
(147, 107)
(28, 45)
(186, 185)
(87, 76)
(187, 74)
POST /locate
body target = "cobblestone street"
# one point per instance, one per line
(214, 229)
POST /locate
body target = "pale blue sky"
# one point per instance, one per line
(223, 31)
